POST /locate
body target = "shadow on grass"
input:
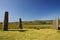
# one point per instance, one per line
(18, 30)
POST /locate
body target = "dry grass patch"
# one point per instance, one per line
(32, 34)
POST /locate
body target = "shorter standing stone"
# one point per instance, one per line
(20, 23)
(5, 24)
(55, 23)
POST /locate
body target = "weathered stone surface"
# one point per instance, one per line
(20, 23)
(55, 23)
(5, 23)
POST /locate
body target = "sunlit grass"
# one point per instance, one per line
(31, 34)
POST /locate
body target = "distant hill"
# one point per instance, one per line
(36, 22)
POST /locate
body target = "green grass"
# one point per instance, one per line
(15, 26)
(31, 34)
(37, 26)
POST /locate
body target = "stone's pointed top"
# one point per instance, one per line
(19, 18)
(6, 11)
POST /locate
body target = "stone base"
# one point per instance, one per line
(58, 28)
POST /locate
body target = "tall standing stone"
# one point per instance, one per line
(5, 24)
(55, 24)
(20, 23)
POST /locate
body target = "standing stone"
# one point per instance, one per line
(5, 24)
(20, 23)
(55, 23)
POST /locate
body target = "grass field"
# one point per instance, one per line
(30, 34)
(15, 26)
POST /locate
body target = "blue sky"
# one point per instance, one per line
(30, 10)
